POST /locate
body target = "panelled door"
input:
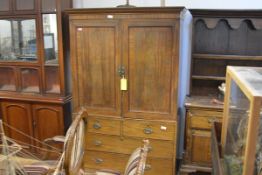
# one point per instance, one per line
(19, 118)
(145, 53)
(150, 54)
(95, 44)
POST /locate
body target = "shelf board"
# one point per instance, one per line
(204, 77)
(227, 57)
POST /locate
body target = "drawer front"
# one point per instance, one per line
(117, 162)
(150, 129)
(99, 142)
(101, 160)
(103, 126)
(203, 119)
(159, 166)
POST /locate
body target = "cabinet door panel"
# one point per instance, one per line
(150, 55)
(18, 116)
(95, 58)
(200, 140)
(48, 121)
(25, 5)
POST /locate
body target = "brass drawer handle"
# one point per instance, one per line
(96, 125)
(148, 130)
(98, 160)
(148, 167)
(97, 142)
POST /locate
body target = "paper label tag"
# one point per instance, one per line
(123, 84)
(163, 128)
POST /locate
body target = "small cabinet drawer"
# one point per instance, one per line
(203, 122)
(203, 119)
(157, 148)
(156, 166)
(103, 126)
(100, 160)
(150, 129)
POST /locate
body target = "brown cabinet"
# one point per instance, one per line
(125, 66)
(200, 115)
(34, 92)
(25, 121)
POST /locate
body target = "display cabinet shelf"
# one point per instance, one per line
(226, 57)
(199, 77)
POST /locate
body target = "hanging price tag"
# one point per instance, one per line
(123, 84)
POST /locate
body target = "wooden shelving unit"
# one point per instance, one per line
(221, 38)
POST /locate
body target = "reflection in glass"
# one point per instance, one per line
(18, 40)
(30, 80)
(50, 38)
(7, 79)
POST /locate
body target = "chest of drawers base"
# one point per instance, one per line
(109, 143)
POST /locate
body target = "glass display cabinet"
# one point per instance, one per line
(34, 93)
(242, 122)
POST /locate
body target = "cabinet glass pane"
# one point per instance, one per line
(18, 40)
(7, 79)
(30, 80)
(4, 5)
(50, 38)
(237, 129)
(25, 4)
(48, 5)
(52, 79)
(258, 163)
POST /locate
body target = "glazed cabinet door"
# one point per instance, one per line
(48, 121)
(18, 119)
(150, 57)
(200, 141)
(95, 55)
(5, 6)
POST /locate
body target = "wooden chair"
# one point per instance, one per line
(137, 161)
(71, 158)
(135, 164)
